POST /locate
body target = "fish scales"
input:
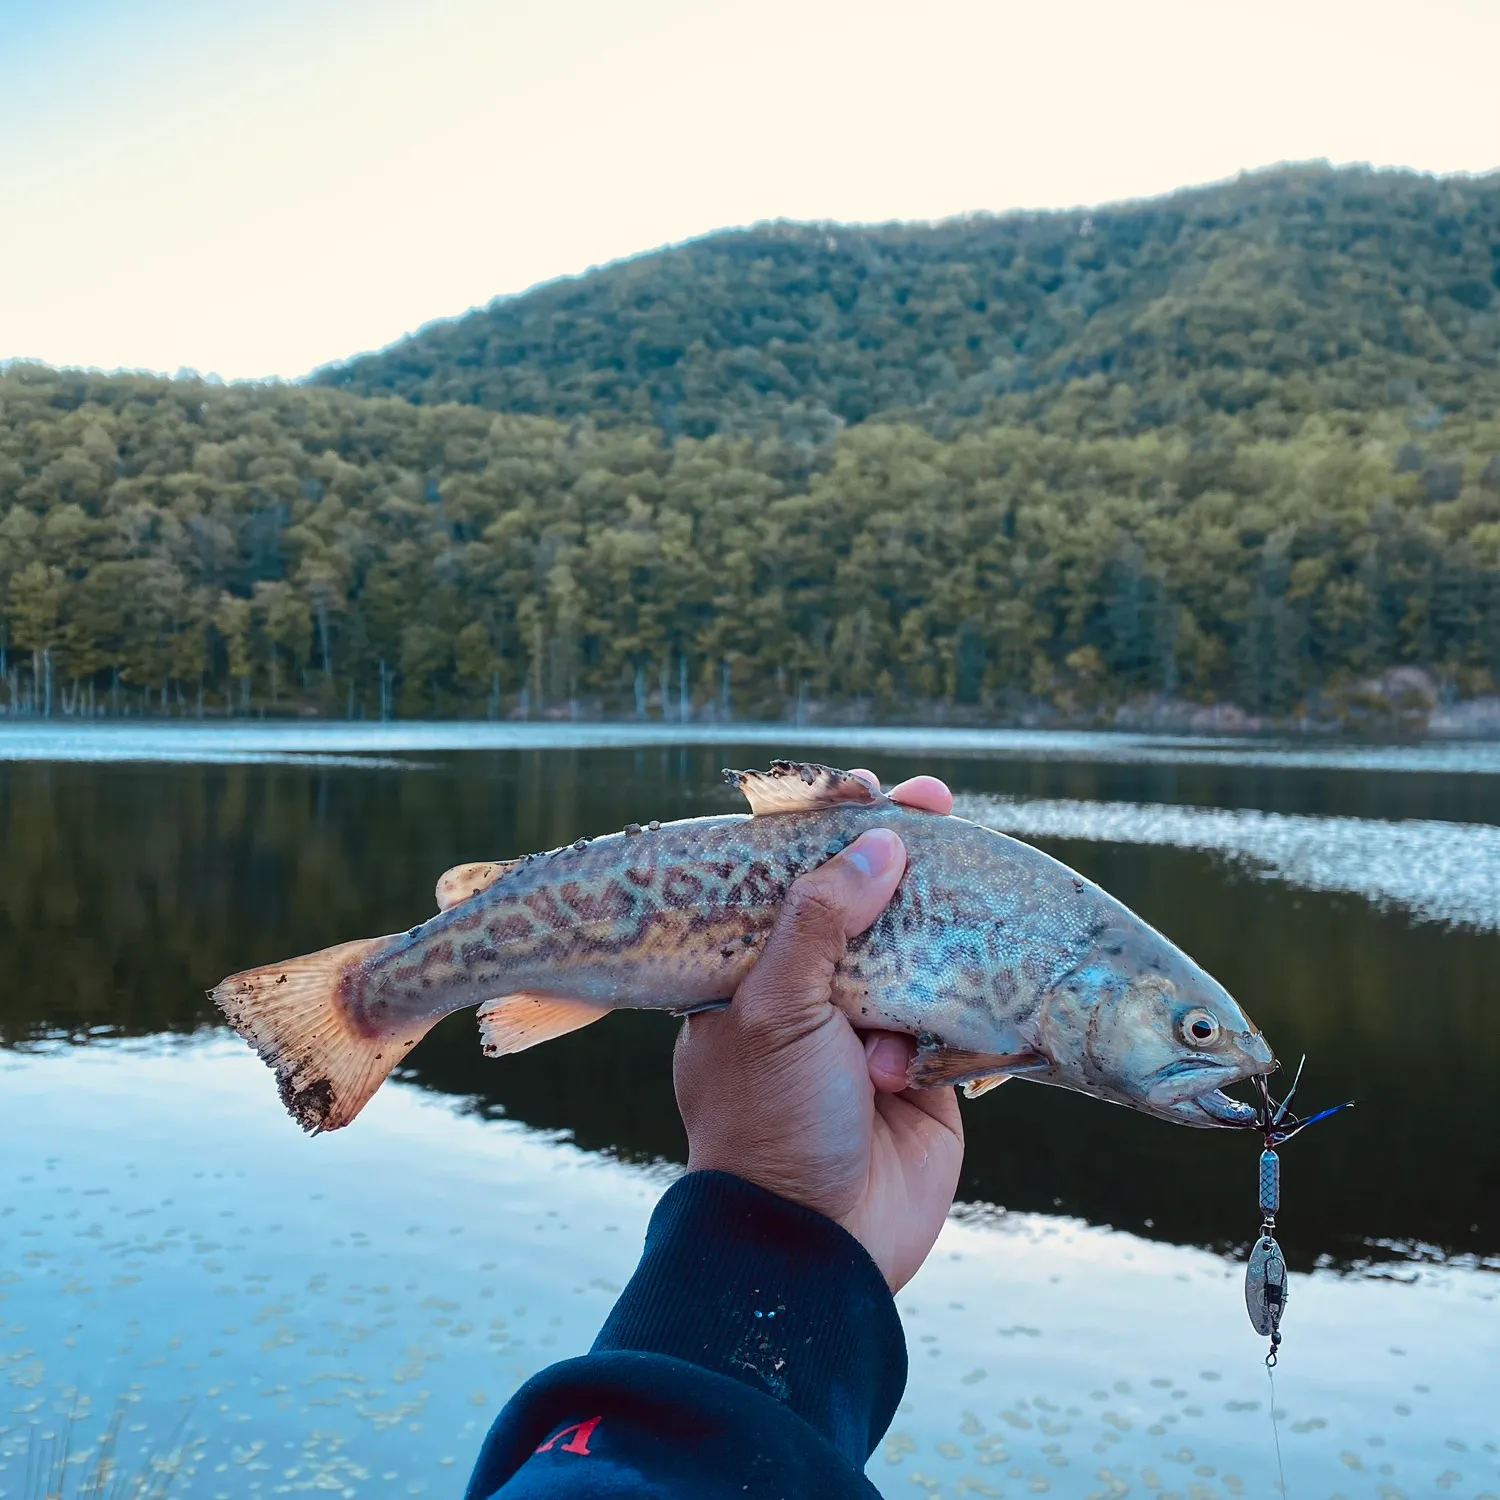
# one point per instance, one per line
(667, 919)
(998, 958)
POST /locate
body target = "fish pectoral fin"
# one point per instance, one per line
(512, 1023)
(800, 786)
(977, 1086)
(463, 881)
(935, 1066)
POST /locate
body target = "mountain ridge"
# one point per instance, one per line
(1197, 306)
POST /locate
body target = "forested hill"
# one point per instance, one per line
(1239, 308)
(181, 547)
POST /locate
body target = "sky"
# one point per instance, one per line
(255, 189)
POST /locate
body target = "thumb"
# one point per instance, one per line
(823, 909)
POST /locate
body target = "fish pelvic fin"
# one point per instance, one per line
(292, 1013)
(512, 1023)
(977, 1086)
(801, 786)
(464, 881)
(936, 1066)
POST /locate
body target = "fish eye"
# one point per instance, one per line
(1199, 1028)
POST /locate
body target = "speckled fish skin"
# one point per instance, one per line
(998, 958)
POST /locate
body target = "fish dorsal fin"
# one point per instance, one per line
(512, 1023)
(463, 881)
(800, 786)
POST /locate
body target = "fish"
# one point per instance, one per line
(999, 960)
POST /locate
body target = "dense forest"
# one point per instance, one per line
(1239, 445)
(166, 545)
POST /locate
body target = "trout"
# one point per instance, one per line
(1000, 960)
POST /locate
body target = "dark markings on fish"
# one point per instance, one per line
(544, 905)
(608, 905)
(438, 953)
(988, 941)
(681, 888)
(509, 927)
(309, 1106)
(757, 886)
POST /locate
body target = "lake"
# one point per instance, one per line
(347, 1313)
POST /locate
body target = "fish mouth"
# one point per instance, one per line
(1220, 1109)
(1192, 1093)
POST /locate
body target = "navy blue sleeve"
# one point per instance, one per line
(755, 1352)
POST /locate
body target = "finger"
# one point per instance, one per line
(869, 776)
(822, 911)
(888, 1055)
(924, 792)
(940, 1106)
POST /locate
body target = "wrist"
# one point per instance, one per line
(750, 1284)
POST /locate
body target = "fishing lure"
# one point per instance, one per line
(1266, 1276)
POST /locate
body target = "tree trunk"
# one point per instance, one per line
(323, 638)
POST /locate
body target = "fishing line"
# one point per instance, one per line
(1275, 1426)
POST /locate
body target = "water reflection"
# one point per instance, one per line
(345, 1314)
(128, 889)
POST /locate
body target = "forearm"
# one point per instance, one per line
(755, 1350)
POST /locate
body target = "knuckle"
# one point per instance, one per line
(813, 908)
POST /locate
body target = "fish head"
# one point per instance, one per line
(1138, 1022)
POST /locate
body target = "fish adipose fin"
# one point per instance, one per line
(463, 881)
(515, 1022)
(291, 1014)
(797, 786)
(935, 1066)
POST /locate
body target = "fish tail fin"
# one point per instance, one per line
(293, 1014)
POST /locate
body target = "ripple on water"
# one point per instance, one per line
(1442, 872)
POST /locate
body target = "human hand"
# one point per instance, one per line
(781, 1090)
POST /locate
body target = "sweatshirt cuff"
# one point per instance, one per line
(741, 1282)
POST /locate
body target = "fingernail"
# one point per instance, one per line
(873, 853)
(889, 1056)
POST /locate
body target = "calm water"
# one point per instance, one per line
(347, 1313)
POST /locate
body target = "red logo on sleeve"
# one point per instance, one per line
(582, 1432)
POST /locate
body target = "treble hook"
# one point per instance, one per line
(1276, 1122)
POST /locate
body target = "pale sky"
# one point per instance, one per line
(257, 187)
